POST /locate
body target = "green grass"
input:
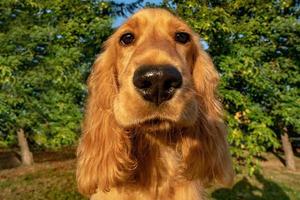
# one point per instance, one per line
(42, 184)
(56, 181)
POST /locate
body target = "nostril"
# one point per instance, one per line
(142, 78)
(168, 84)
(145, 84)
(172, 83)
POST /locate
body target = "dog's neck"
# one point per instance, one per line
(158, 158)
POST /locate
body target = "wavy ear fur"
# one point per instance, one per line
(205, 147)
(104, 150)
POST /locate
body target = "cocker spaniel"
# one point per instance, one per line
(153, 127)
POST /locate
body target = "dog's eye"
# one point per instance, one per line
(126, 39)
(182, 37)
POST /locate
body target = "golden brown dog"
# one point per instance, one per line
(153, 127)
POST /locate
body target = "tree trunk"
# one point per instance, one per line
(288, 150)
(26, 155)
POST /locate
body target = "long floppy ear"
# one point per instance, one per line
(206, 79)
(206, 148)
(104, 149)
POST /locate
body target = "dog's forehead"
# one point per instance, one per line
(153, 13)
(155, 17)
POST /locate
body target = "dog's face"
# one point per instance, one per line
(154, 72)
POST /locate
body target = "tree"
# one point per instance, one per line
(254, 45)
(47, 48)
(26, 155)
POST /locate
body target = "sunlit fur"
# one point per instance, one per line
(122, 153)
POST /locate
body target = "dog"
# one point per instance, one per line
(153, 127)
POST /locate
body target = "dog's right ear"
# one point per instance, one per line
(104, 149)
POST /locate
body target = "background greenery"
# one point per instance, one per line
(47, 49)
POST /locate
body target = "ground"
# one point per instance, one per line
(52, 177)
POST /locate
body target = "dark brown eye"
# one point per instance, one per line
(182, 37)
(126, 39)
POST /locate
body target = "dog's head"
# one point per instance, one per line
(158, 73)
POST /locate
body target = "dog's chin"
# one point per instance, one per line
(156, 125)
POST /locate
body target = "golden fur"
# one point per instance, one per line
(122, 155)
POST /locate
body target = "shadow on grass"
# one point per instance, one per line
(244, 190)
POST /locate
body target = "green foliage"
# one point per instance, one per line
(255, 46)
(47, 48)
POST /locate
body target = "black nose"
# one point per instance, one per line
(157, 83)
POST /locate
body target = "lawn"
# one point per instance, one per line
(54, 179)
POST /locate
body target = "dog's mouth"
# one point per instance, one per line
(155, 124)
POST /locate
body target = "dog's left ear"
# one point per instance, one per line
(211, 132)
(206, 79)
